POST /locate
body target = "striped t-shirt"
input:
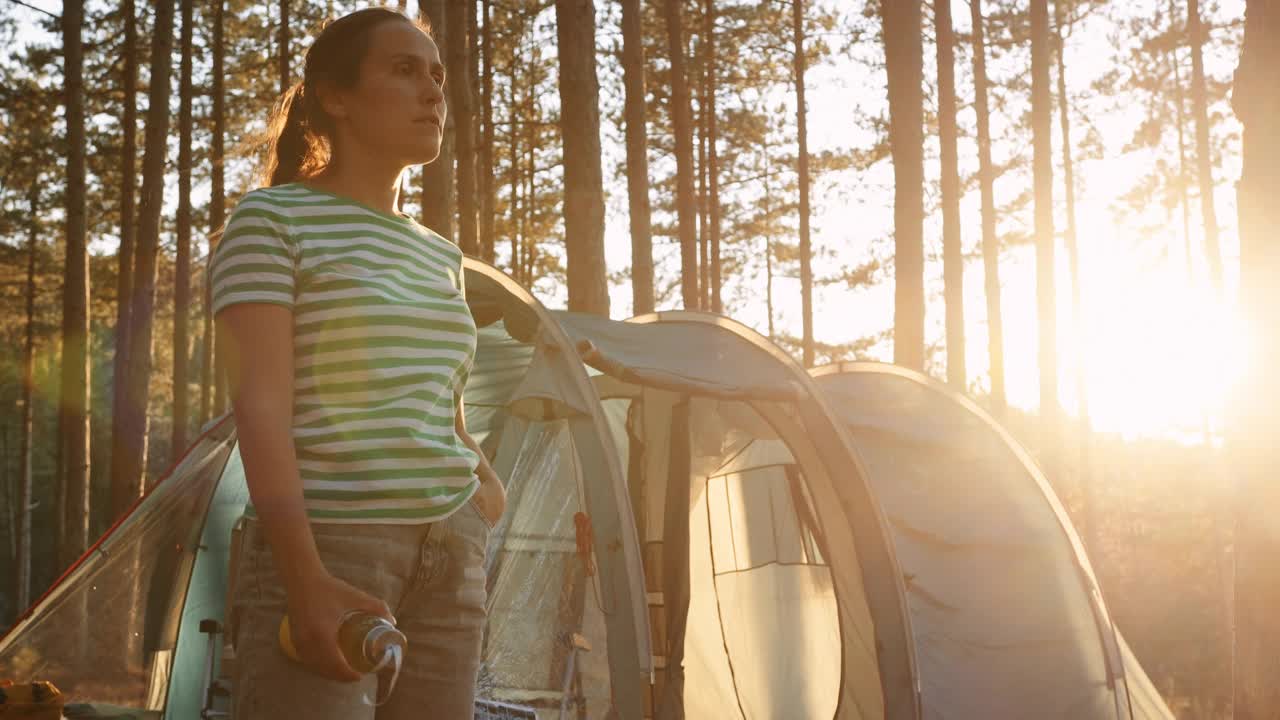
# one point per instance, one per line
(383, 342)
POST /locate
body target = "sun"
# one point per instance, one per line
(1161, 352)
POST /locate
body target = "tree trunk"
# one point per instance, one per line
(124, 256)
(713, 170)
(1256, 98)
(682, 127)
(1181, 119)
(1042, 180)
(473, 58)
(516, 213)
(182, 263)
(438, 204)
(583, 178)
(637, 158)
(73, 418)
(22, 564)
(11, 502)
(766, 173)
(1184, 202)
(487, 196)
(217, 214)
(904, 63)
(477, 116)
(130, 457)
(530, 251)
(217, 206)
(700, 141)
(533, 119)
(283, 59)
(1088, 509)
(952, 249)
(990, 241)
(802, 162)
(460, 107)
(1204, 156)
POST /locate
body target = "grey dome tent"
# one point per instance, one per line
(775, 583)
(124, 627)
(1006, 612)
(773, 589)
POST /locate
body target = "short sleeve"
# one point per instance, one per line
(254, 261)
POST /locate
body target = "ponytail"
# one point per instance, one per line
(293, 147)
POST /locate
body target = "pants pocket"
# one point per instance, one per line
(489, 525)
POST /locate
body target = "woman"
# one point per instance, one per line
(349, 343)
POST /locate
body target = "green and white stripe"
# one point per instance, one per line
(383, 343)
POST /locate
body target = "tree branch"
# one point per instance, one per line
(39, 10)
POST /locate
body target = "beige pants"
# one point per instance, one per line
(432, 577)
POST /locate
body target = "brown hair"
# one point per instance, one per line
(298, 144)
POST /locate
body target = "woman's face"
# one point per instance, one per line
(397, 108)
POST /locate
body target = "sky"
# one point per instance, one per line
(1160, 351)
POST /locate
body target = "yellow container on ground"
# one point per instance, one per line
(38, 700)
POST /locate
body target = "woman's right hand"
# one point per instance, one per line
(316, 607)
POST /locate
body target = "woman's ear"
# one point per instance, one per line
(331, 101)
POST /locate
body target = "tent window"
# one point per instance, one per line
(761, 517)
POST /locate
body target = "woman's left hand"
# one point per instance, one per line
(491, 498)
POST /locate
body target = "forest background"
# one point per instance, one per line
(1043, 213)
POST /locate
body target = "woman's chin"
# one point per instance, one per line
(425, 156)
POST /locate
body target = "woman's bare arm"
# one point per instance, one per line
(259, 360)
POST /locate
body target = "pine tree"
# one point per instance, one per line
(217, 199)
(129, 456)
(182, 263)
(1204, 158)
(22, 581)
(487, 189)
(584, 181)
(1180, 123)
(904, 63)
(457, 54)
(1042, 173)
(952, 250)
(682, 127)
(217, 209)
(438, 203)
(802, 165)
(1256, 99)
(990, 241)
(633, 68)
(74, 419)
(124, 264)
(1085, 431)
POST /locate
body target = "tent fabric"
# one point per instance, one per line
(538, 592)
(681, 356)
(863, 544)
(767, 569)
(123, 627)
(530, 400)
(109, 629)
(207, 594)
(1007, 617)
(1144, 698)
(822, 638)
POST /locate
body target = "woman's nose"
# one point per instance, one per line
(432, 91)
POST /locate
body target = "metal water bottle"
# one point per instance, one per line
(370, 643)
